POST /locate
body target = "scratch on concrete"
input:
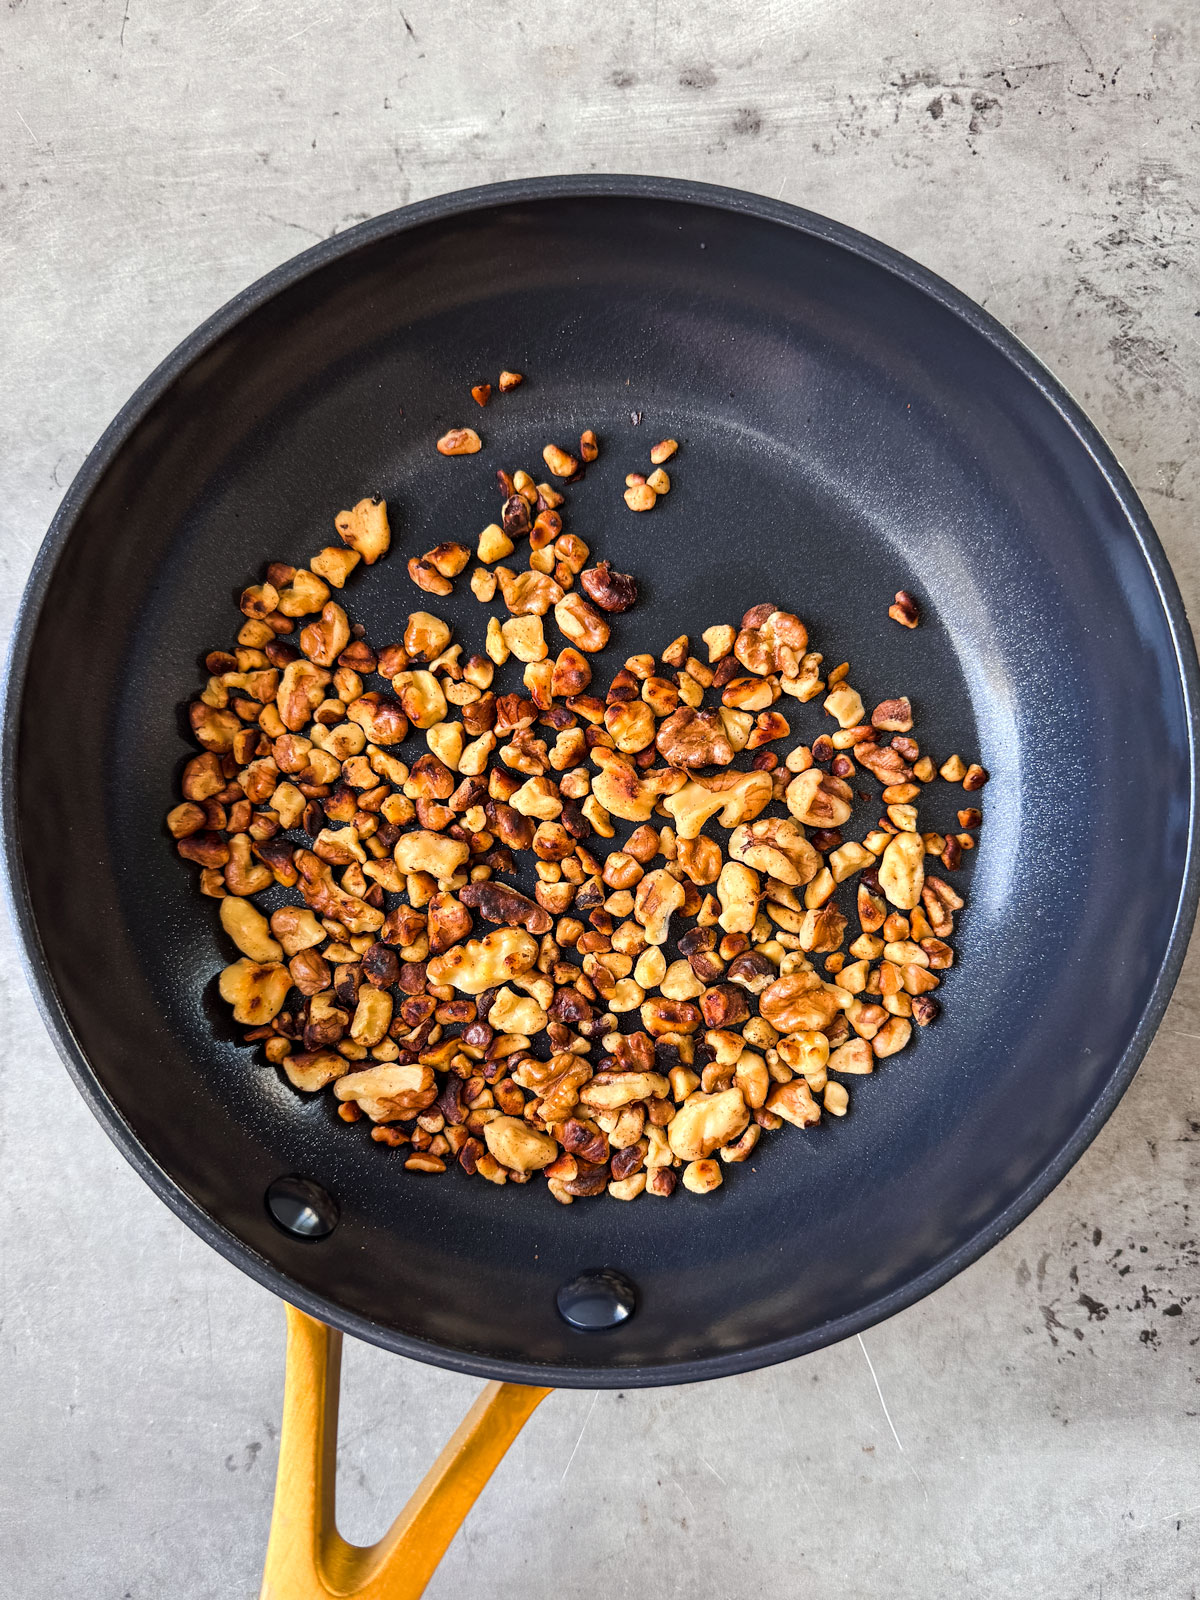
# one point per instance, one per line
(888, 1416)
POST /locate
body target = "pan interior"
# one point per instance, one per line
(844, 434)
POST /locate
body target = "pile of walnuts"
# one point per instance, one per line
(658, 999)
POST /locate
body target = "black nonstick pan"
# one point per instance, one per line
(851, 426)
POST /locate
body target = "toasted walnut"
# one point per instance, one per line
(528, 593)
(391, 1092)
(855, 1056)
(736, 796)
(893, 716)
(720, 641)
(485, 963)
(705, 1122)
(301, 690)
(243, 875)
(255, 989)
(560, 462)
(571, 675)
(750, 1075)
(776, 644)
(517, 1146)
(372, 1015)
(296, 929)
(335, 566)
(581, 622)
(661, 1018)
(776, 846)
(738, 891)
(459, 442)
(323, 642)
(434, 853)
(902, 870)
(798, 1003)
(447, 921)
(738, 726)
(806, 1052)
(794, 1103)
(496, 902)
(749, 694)
(658, 896)
(365, 530)
(690, 738)
(421, 698)
(819, 800)
(610, 1091)
(724, 1006)
(702, 1177)
(314, 1069)
(515, 1013)
(629, 793)
(249, 930)
(524, 638)
(202, 778)
(327, 899)
(425, 636)
(679, 982)
(846, 705)
(700, 858)
(631, 723)
(215, 729)
(611, 591)
(821, 929)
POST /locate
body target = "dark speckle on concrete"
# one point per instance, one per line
(748, 124)
(700, 77)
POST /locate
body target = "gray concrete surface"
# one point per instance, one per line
(1033, 1428)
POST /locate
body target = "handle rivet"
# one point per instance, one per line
(302, 1208)
(597, 1299)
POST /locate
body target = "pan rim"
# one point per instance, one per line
(129, 418)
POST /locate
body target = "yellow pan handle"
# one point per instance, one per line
(307, 1559)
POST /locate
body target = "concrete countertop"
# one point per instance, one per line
(1030, 1429)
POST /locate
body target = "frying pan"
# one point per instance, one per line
(851, 425)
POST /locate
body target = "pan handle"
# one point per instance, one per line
(307, 1559)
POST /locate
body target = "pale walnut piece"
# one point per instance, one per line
(255, 989)
(732, 797)
(630, 793)
(690, 738)
(365, 530)
(705, 1122)
(658, 897)
(434, 853)
(902, 870)
(776, 846)
(459, 442)
(582, 623)
(819, 800)
(798, 1003)
(485, 963)
(518, 1146)
(249, 930)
